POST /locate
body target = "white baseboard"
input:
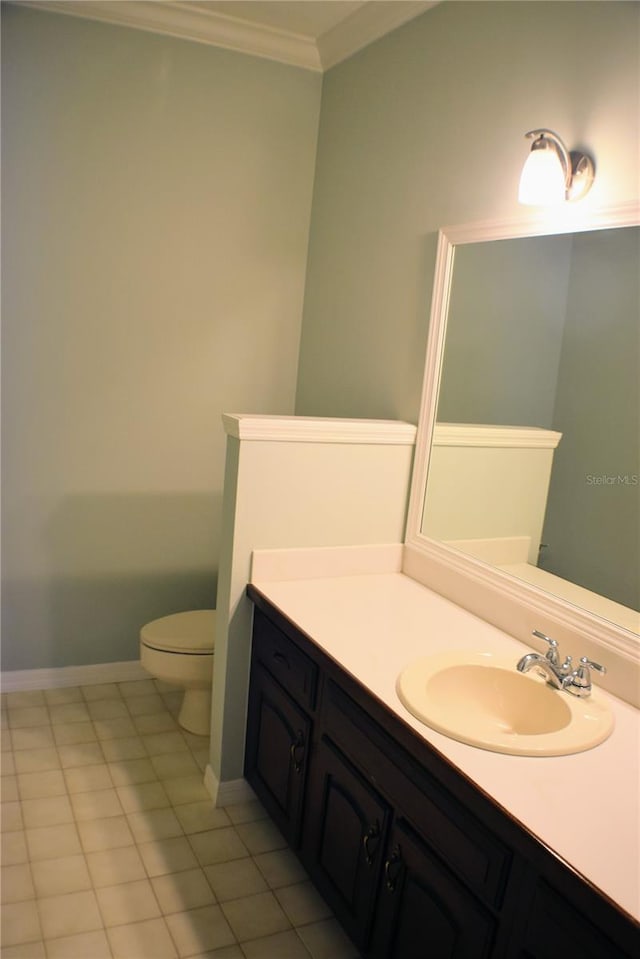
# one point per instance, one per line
(19, 679)
(227, 793)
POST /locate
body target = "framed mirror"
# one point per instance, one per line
(527, 470)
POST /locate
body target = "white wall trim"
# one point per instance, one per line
(228, 793)
(56, 678)
(188, 21)
(509, 437)
(311, 429)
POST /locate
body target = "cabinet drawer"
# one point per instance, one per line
(281, 657)
(460, 840)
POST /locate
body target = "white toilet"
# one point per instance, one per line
(179, 649)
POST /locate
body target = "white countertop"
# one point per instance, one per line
(583, 806)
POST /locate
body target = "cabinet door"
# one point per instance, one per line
(278, 738)
(422, 912)
(555, 928)
(344, 838)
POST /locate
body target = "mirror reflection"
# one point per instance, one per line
(542, 336)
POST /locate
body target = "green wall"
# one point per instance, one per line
(156, 203)
(505, 322)
(592, 525)
(424, 129)
(156, 215)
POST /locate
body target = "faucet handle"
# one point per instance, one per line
(587, 664)
(579, 682)
(553, 653)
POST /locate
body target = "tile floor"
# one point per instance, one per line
(111, 848)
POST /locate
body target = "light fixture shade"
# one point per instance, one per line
(542, 182)
(551, 174)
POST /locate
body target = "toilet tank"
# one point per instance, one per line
(488, 486)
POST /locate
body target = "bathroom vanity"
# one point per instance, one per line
(421, 845)
(425, 846)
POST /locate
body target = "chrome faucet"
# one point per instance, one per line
(548, 665)
(557, 674)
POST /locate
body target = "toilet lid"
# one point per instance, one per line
(190, 632)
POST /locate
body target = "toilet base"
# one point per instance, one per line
(195, 712)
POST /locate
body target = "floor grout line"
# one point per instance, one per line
(134, 817)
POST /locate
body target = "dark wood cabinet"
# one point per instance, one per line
(277, 747)
(344, 839)
(555, 929)
(422, 912)
(414, 860)
(282, 698)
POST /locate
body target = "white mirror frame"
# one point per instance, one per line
(470, 582)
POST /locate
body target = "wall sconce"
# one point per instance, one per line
(551, 174)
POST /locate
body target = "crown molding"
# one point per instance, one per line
(363, 26)
(188, 21)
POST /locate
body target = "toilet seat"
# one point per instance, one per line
(190, 634)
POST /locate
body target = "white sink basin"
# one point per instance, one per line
(482, 700)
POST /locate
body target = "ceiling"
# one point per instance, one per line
(313, 34)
